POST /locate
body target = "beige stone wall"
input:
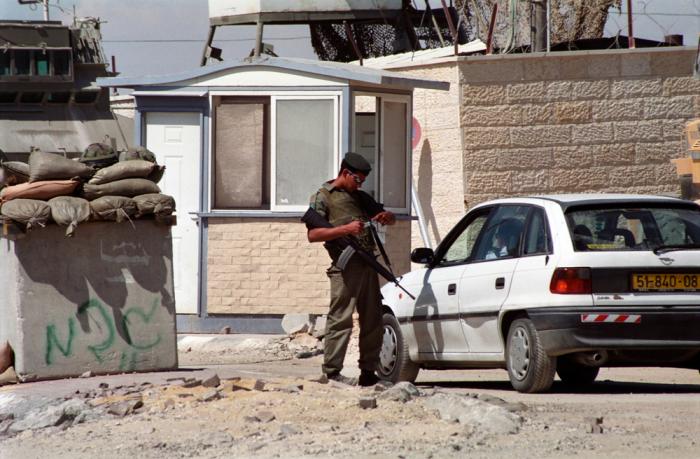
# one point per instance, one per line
(598, 121)
(266, 266)
(437, 159)
(603, 121)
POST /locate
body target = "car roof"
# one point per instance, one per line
(584, 199)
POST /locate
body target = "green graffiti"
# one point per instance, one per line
(98, 349)
(104, 323)
(146, 318)
(127, 362)
(52, 340)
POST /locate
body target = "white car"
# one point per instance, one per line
(561, 283)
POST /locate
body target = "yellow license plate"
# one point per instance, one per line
(650, 282)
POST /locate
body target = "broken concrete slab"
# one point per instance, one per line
(247, 384)
(475, 414)
(292, 321)
(210, 395)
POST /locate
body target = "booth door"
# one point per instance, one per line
(175, 139)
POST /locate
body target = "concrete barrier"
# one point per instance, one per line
(101, 301)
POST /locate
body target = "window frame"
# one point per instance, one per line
(381, 98)
(273, 96)
(548, 234)
(273, 146)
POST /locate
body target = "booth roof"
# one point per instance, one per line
(348, 72)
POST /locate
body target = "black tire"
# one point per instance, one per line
(574, 374)
(394, 362)
(530, 369)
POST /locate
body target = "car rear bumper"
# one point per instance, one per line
(567, 330)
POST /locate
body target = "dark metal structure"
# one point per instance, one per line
(344, 35)
(48, 95)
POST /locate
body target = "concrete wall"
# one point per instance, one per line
(267, 266)
(597, 121)
(101, 301)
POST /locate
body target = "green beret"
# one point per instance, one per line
(356, 163)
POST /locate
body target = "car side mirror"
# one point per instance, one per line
(422, 255)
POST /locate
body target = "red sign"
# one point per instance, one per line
(415, 133)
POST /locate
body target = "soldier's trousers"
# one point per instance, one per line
(355, 287)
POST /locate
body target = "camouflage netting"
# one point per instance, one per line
(331, 43)
(570, 20)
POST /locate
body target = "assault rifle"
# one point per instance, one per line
(350, 246)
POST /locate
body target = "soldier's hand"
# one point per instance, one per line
(355, 227)
(385, 218)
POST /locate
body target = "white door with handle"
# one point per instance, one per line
(175, 139)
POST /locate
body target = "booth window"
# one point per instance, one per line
(241, 157)
(381, 134)
(305, 136)
(271, 153)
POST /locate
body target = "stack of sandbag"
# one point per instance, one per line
(128, 189)
(47, 176)
(96, 186)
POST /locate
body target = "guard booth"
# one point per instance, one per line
(245, 144)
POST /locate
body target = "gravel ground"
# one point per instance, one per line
(642, 413)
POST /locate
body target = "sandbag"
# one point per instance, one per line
(154, 203)
(46, 189)
(99, 155)
(157, 174)
(137, 168)
(69, 211)
(30, 212)
(6, 356)
(113, 208)
(15, 172)
(128, 187)
(50, 166)
(137, 153)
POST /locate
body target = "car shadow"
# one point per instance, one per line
(598, 387)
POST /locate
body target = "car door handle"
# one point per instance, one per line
(500, 282)
(452, 289)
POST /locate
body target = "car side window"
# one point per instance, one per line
(536, 238)
(502, 234)
(462, 246)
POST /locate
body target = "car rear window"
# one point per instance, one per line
(610, 228)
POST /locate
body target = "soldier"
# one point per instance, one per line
(348, 209)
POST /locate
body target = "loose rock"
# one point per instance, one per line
(368, 402)
(212, 381)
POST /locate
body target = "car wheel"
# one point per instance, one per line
(394, 363)
(574, 374)
(529, 367)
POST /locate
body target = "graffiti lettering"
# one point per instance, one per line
(109, 325)
(109, 347)
(52, 340)
(146, 318)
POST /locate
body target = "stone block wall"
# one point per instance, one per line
(588, 121)
(267, 266)
(597, 121)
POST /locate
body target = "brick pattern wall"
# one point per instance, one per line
(266, 266)
(604, 121)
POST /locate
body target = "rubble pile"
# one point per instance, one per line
(102, 185)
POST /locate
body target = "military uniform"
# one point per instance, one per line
(357, 286)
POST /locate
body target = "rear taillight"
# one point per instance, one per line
(571, 280)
